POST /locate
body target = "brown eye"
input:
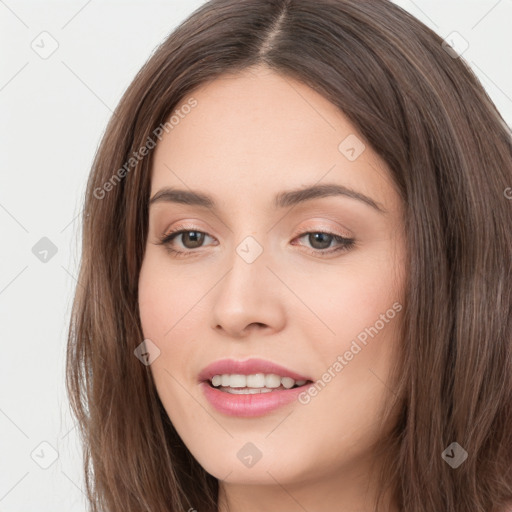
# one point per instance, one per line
(191, 239)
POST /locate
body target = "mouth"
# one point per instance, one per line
(238, 384)
(254, 387)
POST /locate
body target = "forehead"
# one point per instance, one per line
(257, 132)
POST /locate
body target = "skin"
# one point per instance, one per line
(252, 135)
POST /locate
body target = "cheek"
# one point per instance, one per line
(153, 299)
(164, 296)
(347, 300)
(169, 307)
(165, 312)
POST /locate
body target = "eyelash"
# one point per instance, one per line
(346, 243)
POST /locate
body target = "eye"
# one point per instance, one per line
(321, 240)
(190, 238)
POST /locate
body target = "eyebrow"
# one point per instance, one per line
(281, 200)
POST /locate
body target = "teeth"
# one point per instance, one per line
(272, 381)
(287, 382)
(238, 381)
(247, 391)
(255, 383)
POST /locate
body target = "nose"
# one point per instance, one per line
(248, 299)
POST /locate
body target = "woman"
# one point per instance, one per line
(295, 280)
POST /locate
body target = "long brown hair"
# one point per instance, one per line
(426, 114)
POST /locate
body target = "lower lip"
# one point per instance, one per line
(257, 404)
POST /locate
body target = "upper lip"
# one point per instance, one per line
(247, 367)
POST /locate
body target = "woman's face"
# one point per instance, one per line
(255, 278)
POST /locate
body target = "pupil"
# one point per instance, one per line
(196, 239)
(324, 239)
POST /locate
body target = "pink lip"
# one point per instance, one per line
(248, 367)
(248, 405)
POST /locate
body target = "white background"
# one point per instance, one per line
(52, 115)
